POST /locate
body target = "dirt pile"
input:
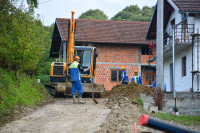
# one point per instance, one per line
(131, 91)
(124, 111)
(122, 117)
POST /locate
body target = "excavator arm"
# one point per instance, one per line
(71, 45)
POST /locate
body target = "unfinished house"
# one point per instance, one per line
(185, 17)
(119, 43)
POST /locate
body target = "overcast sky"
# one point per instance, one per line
(49, 10)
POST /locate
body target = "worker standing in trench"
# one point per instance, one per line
(124, 76)
(136, 78)
(75, 72)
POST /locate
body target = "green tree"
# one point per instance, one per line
(32, 3)
(134, 13)
(23, 39)
(50, 29)
(44, 65)
(93, 15)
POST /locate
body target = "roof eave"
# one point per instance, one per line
(117, 43)
(151, 21)
(165, 19)
(59, 30)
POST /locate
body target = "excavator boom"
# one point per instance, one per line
(71, 45)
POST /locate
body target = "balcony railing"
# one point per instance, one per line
(182, 36)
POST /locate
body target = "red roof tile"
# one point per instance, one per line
(188, 5)
(106, 31)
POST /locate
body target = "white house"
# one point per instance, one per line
(187, 57)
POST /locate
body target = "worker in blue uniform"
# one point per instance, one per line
(75, 72)
(154, 84)
(136, 78)
(124, 76)
(164, 86)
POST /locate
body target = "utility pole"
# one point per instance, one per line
(159, 45)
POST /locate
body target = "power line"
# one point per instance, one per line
(45, 2)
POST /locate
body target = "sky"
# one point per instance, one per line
(49, 10)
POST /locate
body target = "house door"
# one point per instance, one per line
(148, 77)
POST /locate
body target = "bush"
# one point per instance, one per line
(159, 99)
(13, 93)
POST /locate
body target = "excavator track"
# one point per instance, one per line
(60, 89)
(53, 90)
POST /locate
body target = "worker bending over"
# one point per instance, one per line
(124, 76)
(75, 72)
(136, 78)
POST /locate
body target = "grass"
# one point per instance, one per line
(138, 101)
(178, 119)
(12, 93)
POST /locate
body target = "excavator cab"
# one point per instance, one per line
(88, 57)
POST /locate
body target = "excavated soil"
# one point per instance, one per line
(125, 108)
(132, 91)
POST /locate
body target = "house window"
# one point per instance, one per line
(149, 82)
(115, 75)
(147, 77)
(184, 66)
(145, 51)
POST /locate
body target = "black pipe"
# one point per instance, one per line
(161, 125)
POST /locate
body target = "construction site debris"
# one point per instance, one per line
(125, 109)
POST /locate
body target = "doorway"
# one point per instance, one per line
(148, 75)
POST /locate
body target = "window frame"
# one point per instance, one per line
(146, 49)
(118, 75)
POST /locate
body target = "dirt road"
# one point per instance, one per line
(116, 112)
(62, 117)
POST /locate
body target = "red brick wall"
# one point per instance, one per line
(116, 54)
(144, 59)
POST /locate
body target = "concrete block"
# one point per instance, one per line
(153, 109)
(143, 95)
(146, 106)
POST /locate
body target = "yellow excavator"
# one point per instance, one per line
(60, 76)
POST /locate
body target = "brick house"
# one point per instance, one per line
(119, 43)
(184, 15)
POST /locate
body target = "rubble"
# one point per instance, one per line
(125, 110)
